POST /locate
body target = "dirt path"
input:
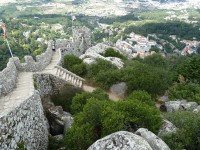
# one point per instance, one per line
(112, 96)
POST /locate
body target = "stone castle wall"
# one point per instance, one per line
(8, 78)
(47, 84)
(41, 61)
(80, 43)
(25, 124)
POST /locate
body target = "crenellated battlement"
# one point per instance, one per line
(30, 64)
(8, 76)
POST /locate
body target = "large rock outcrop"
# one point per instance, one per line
(119, 89)
(121, 140)
(172, 106)
(167, 128)
(154, 141)
(59, 120)
(95, 52)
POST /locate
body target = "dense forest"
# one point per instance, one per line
(181, 29)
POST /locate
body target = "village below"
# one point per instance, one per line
(98, 75)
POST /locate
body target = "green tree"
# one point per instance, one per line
(110, 52)
(100, 65)
(168, 48)
(189, 91)
(37, 52)
(187, 135)
(75, 64)
(100, 118)
(140, 76)
(105, 79)
(70, 60)
(155, 60)
(155, 49)
(79, 100)
(191, 69)
(65, 96)
(142, 96)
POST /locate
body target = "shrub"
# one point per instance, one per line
(101, 118)
(79, 69)
(110, 52)
(187, 135)
(105, 79)
(100, 65)
(188, 91)
(64, 98)
(191, 69)
(155, 49)
(75, 65)
(37, 52)
(142, 96)
(79, 101)
(54, 144)
(144, 77)
(155, 60)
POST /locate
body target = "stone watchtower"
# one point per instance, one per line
(81, 39)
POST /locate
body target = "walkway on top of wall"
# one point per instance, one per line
(25, 88)
(112, 96)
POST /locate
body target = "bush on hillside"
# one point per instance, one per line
(99, 66)
(191, 69)
(188, 91)
(141, 76)
(110, 52)
(100, 118)
(142, 96)
(105, 79)
(65, 96)
(75, 65)
(79, 101)
(187, 135)
(155, 60)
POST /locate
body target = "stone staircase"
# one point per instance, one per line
(62, 73)
(69, 76)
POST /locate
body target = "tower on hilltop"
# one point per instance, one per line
(81, 39)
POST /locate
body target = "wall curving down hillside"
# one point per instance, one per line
(25, 124)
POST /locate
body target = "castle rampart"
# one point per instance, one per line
(41, 61)
(22, 120)
(26, 125)
(8, 78)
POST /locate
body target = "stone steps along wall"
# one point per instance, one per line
(25, 124)
(41, 62)
(69, 77)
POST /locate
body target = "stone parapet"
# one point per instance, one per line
(26, 125)
(8, 78)
(41, 62)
